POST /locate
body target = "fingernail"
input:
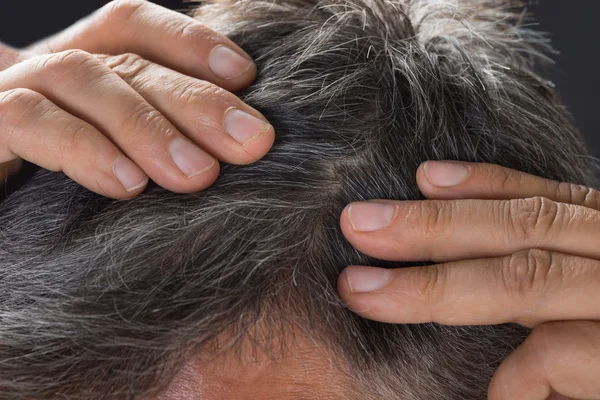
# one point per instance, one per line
(226, 63)
(370, 216)
(129, 174)
(446, 174)
(242, 126)
(190, 159)
(367, 279)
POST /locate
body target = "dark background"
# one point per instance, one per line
(573, 25)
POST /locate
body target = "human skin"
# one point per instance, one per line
(562, 353)
(299, 369)
(133, 92)
(510, 247)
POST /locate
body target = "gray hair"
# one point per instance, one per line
(104, 299)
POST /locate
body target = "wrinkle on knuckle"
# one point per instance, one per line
(18, 105)
(128, 66)
(189, 33)
(71, 67)
(75, 137)
(69, 59)
(18, 101)
(556, 189)
(536, 218)
(146, 123)
(530, 274)
(196, 93)
(429, 283)
(591, 197)
(502, 179)
(430, 218)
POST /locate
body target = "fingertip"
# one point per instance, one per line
(138, 188)
(445, 174)
(367, 279)
(343, 286)
(201, 181)
(257, 147)
(422, 181)
(108, 187)
(131, 177)
(232, 67)
(117, 193)
(345, 223)
(354, 302)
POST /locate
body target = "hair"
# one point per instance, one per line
(104, 299)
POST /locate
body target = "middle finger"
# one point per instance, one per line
(212, 117)
(446, 230)
(529, 287)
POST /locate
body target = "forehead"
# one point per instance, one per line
(300, 370)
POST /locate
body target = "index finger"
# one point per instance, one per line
(165, 37)
(464, 180)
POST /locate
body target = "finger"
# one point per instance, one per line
(559, 356)
(38, 131)
(209, 115)
(160, 35)
(446, 230)
(528, 287)
(462, 180)
(85, 87)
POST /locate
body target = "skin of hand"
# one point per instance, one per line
(509, 247)
(132, 92)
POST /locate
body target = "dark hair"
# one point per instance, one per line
(104, 299)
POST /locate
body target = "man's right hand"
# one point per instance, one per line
(112, 120)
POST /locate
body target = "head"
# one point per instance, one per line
(230, 292)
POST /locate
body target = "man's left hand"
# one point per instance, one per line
(510, 247)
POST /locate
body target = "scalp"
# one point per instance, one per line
(105, 299)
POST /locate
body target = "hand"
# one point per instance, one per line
(528, 252)
(111, 121)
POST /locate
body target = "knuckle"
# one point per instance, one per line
(128, 66)
(429, 285)
(75, 139)
(592, 199)
(502, 179)
(19, 104)
(535, 218)
(528, 273)
(190, 32)
(583, 195)
(148, 120)
(431, 217)
(19, 100)
(123, 9)
(68, 59)
(63, 64)
(198, 92)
